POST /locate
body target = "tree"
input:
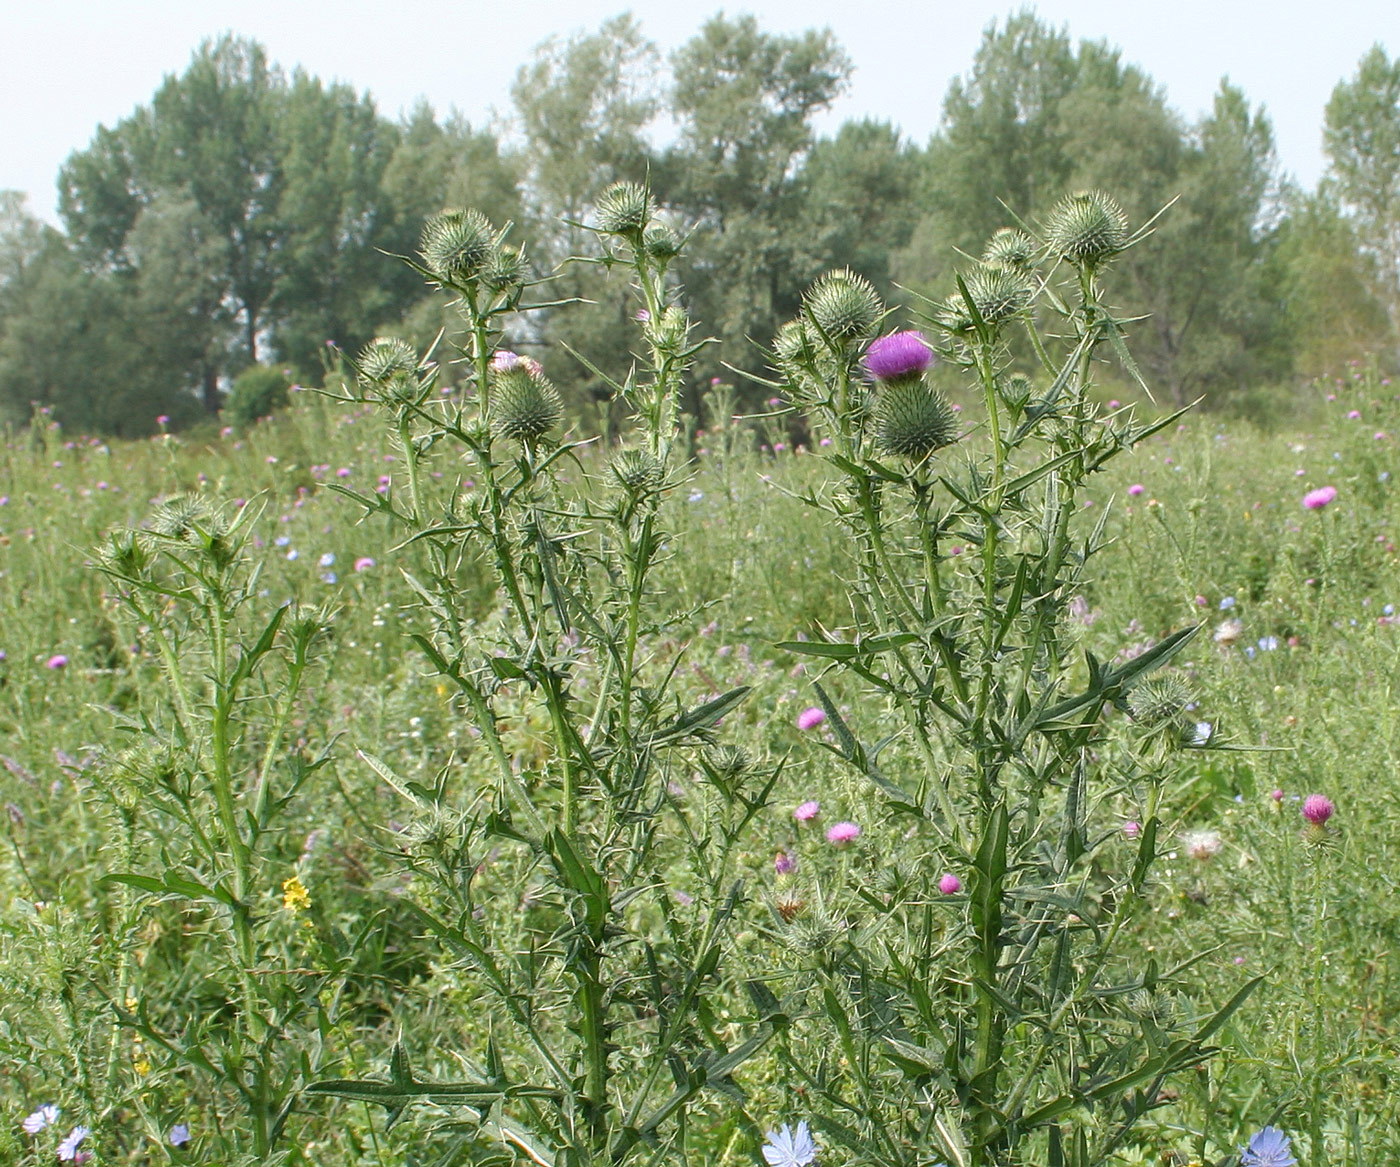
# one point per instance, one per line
(1362, 140)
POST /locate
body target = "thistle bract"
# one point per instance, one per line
(625, 208)
(456, 243)
(1087, 227)
(844, 305)
(912, 421)
(526, 404)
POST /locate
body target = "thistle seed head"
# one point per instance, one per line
(624, 209)
(912, 420)
(456, 243)
(1087, 228)
(844, 305)
(526, 404)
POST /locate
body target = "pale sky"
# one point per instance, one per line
(68, 66)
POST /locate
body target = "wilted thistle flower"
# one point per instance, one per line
(1202, 845)
(456, 244)
(997, 292)
(912, 420)
(1087, 228)
(1228, 633)
(790, 903)
(526, 404)
(843, 305)
(1011, 247)
(637, 472)
(624, 209)
(1160, 702)
(897, 356)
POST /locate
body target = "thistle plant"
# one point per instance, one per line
(547, 862)
(201, 775)
(1008, 1023)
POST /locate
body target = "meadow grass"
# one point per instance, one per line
(1209, 525)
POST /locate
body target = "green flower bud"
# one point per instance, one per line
(624, 209)
(456, 243)
(637, 472)
(184, 516)
(998, 292)
(844, 305)
(504, 268)
(1087, 228)
(525, 403)
(728, 762)
(912, 421)
(1160, 703)
(385, 357)
(1011, 248)
(662, 242)
(793, 344)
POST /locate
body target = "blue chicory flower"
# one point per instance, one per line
(1268, 1148)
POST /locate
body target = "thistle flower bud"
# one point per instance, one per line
(526, 404)
(662, 243)
(1160, 703)
(624, 209)
(1087, 228)
(728, 761)
(504, 268)
(1015, 390)
(669, 333)
(637, 472)
(127, 553)
(793, 343)
(998, 292)
(844, 305)
(386, 357)
(456, 243)
(1011, 248)
(185, 516)
(912, 421)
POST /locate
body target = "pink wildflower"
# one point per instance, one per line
(950, 884)
(901, 354)
(810, 718)
(1317, 808)
(807, 811)
(839, 834)
(1315, 500)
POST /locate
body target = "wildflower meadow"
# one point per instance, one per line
(965, 759)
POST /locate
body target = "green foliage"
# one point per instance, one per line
(257, 392)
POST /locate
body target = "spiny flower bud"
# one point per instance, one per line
(456, 243)
(998, 292)
(504, 268)
(1015, 390)
(1160, 703)
(637, 472)
(662, 242)
(184, 515)
(624, 209)
(526, 404)
(793, 343)
(669, 333)
(728, 761)
(844, 305)
(127, 553)
(1087, 227)
(1011, 248)
(386, 357)
(912, 421)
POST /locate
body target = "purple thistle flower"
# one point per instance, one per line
(1315, 500)
(783, 863)
(1268, 1148)
(950, 884)
(901, 354)
(839, 834)
(1317, 808)
(810, 718)
(807, 811)
(57, 661)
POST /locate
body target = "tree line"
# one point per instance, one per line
(239, 218)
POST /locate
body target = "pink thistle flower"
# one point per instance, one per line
(1353, 414)
(364, 563)
(1277, 795)
(840, 834)
(163, 419)
(950, 884)
(1317, 808)
(807, 811)
(57, 661)
(1315, 500)
(901, 354)
(1136, 488)
(1132, 828)
(810, 718)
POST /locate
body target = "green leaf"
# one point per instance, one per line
(173, 886)
(701, 717)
